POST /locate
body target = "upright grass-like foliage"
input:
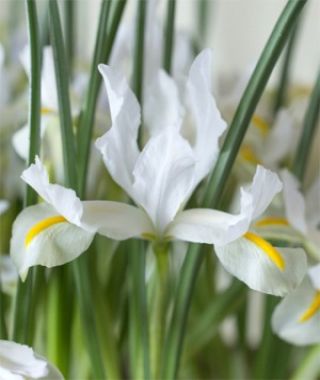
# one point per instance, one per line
(82, 281)
(219, 177)
(310, 123)
(21, 325)
(169, 36)
(104, 42)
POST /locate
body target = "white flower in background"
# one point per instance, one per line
(49, 233)
(297, 317)
(160, 179)
(19, 362)
(8, 274)
(4, 205)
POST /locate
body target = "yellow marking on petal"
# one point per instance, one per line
(247, 153)
(148, 236)
(312, 309)
(272, 220)
(47, 110)
(273, 254)
(41, 226)
(261, 124)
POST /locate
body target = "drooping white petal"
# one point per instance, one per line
(162, 108)
(49, 97)
(208, 226)
(164, 176)
(266, 184)
(293, 201)
(116, 220)
(51, 245)
(209, 124)
(286, 319)
(314, 274)
(64, 200)
(278, 142)
(18, 361)
(118, 146)
(250, 264)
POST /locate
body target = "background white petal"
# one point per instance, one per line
(164, 176)
(207, 226)
(312, 200)
(314, 275)
(116, 220)
(162, 108)
(4, 205)
(246, 261)
(293, 201)
(285, 319)
(64, 200)
(118, 146)
(55, 245)
(209, 124)
(49, 97)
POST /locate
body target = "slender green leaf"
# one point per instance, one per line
(169, 36)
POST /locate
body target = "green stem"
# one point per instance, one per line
(69, 27)
(139, 334)
(309, 127)
(310, 366)
(281, 94)
(81, 276)
(102, 51)
(219, 177)
(203, 13)
(169, 36)
(22, 308)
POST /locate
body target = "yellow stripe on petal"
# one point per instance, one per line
(273, 254)
(272, 220)
(312, 309)
(41, 226)
(47, 110)
(247, 153)
(261, 124)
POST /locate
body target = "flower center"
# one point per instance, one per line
(273, 254)
(40, 226)
(312, 309)
(270, 220)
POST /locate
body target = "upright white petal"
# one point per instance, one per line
(314, 274)
(266, 184)
(118, 146)
(162, 108)
(51, 245)
(286, 319)
(64, 200)
(250, 264)
(208, 226)
(278, 142)
(164, 176)
(19, 361)
(293, 201)
(116, 220)
(209, 124)
(49, 97)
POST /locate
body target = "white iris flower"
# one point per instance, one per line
(160, 180)
(19, 362)
(297, 318)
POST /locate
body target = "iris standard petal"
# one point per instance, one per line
(293, 201)
(64, 200)
(116, 220)
(289, 321)
(40, 236)
(119, 146)
(164, 176)
(274, 271)
(209, 124)
(207, 226)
